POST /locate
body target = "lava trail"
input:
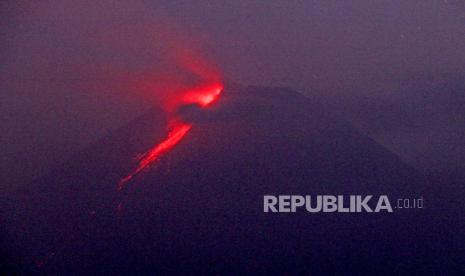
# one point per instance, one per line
(203, 96)
(175, 135)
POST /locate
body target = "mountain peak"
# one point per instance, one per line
(202, 202)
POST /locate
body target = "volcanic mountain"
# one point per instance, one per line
(199, 208)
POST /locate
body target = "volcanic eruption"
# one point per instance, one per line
(178, 93)
(204, 214)
(202, 96)
(193, 169)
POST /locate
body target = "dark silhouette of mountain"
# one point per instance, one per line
(200, 208)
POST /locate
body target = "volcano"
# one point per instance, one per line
(199, 208)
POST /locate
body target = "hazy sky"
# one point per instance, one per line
(70, 69)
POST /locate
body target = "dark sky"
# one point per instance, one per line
(394, 68)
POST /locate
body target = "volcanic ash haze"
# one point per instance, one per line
(200, 209)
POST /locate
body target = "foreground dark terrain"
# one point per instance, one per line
(200, 208)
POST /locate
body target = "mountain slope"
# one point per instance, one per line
(200, 208)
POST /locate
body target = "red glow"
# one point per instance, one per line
(178, 131)
(203, 95)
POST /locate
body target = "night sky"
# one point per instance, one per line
(71, 71)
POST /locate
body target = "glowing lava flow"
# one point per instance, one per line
(204, 96)
(174, 137)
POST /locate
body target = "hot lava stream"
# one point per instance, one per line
(203, 96)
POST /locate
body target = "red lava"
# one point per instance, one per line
(204, 96)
